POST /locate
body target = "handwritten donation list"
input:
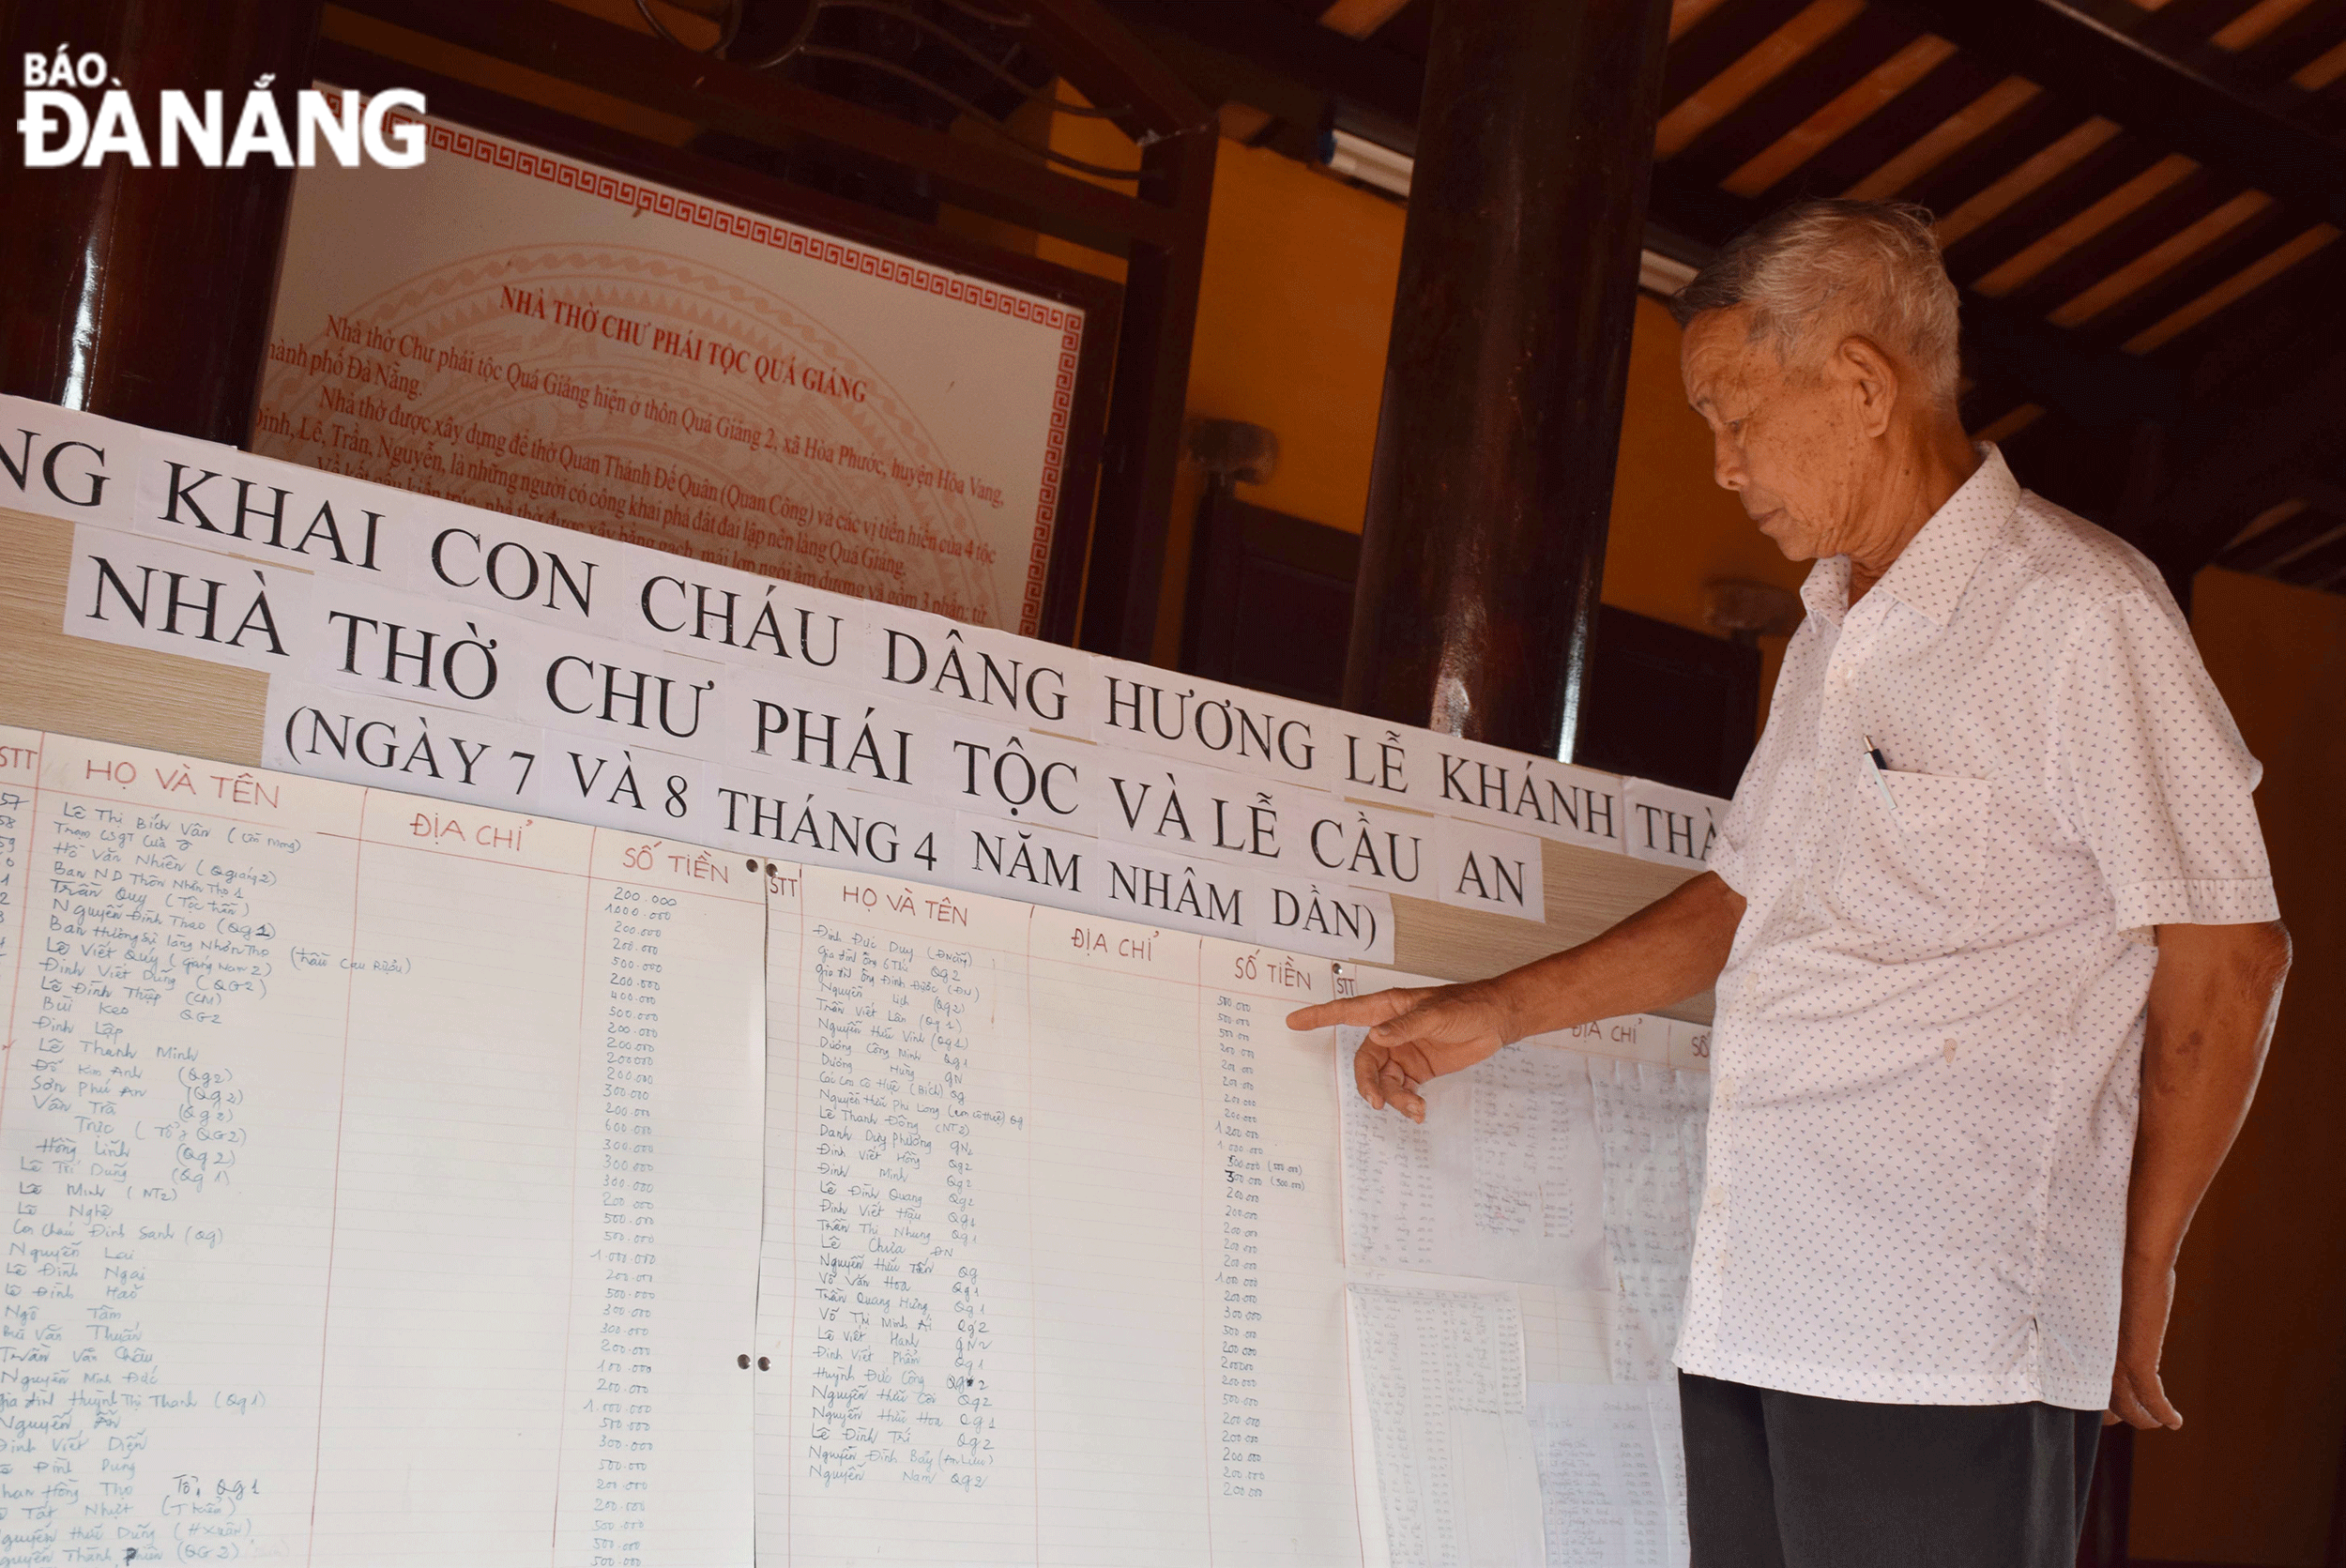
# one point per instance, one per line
(400, 1182)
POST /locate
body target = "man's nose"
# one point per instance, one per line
(1726, 463)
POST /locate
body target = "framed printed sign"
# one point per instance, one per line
(513, 327)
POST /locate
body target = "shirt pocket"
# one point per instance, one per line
(1918, 870)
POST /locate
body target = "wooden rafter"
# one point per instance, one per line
(759, 106)
(2252, 459)
(1358, 18)
(2091, 64)
(1294, 46)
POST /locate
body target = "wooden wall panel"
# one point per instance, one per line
(77, 687)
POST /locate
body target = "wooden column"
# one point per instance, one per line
(1484, 539)
(144, 294)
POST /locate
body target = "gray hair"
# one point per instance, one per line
(1872, 269)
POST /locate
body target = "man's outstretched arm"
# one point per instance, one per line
(2208, 1020)
(1665, 952)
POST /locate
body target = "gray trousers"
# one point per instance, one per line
(1777, 1479)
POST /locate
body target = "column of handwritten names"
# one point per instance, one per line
(168, 1117)
(912, 1351)
(1602, 1493)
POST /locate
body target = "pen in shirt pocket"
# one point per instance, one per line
(1877, 766)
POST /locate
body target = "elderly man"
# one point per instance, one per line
(1994, 942)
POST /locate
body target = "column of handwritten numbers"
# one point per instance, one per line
(665, 1210)
(1278, 1390)
(974, 1440)
(1238, 1278)
(1645, 1529)
(20, 763)
(684, 1023)
(628, 1259)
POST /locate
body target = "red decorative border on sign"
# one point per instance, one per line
(641, 198)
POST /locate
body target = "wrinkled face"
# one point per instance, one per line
(1787, 439)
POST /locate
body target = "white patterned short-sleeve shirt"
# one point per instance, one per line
(1927, 1060)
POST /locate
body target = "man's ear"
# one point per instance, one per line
(1872, 378)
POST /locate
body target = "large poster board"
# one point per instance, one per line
(519, 329)
(407, 1184)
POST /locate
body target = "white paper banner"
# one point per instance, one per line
(444, 650)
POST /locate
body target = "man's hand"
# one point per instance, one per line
(1665, 952)
(2205, 1028)
(2136, 1396)
(1416, 1035)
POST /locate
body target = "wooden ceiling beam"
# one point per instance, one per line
(1999, 155)
(2256, 456)
(1111, 68)
(2277, 334)
(765, 108)
(2320, 568)
(2064, 197)
(1358, 18)
(2183, 25)
(1366, 74)
(2269, 62)
(1955, 83)
(2282, 540)
(2167, 219)
(2259, 237)
(1724, 35)
(2321, 496)
(1784, 104)
(1222, 77)
(2092, 65)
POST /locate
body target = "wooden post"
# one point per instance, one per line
(144, 294)
(1484, 539)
